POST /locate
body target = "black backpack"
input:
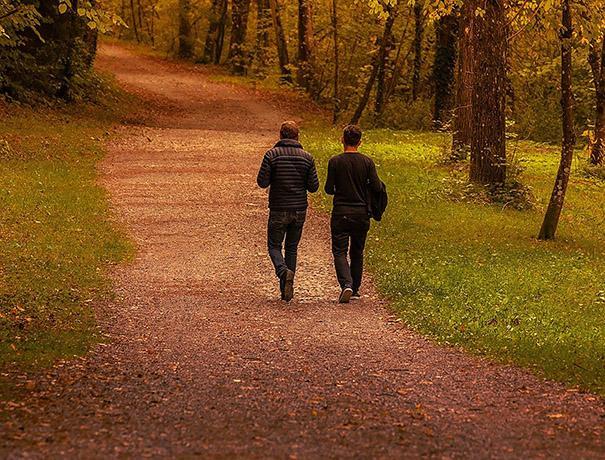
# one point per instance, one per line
(378, 202)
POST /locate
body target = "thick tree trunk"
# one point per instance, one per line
(553, 213)
(363, 102)
(185, 50)
(305, 33)
(597, 63)
(336, 95)
(418, 35)
(444, 69)
(463, 111)
(488, 143)
(239, 30)
(280, 40)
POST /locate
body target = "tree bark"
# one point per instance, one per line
(597, 64)
(305, 34)
(134, 22)
(336, 95)
(239, 30)
(418, 35)
(555, 206)
(65, 89)
(220, 41)
(280, 40)
(185, 50)
(463, 111)
(444, 69)
(488, 143)
(383, 64)
(363, 102)
(217, 18)
(263, 25)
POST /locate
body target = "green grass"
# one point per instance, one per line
(57, 236)
(475, 275)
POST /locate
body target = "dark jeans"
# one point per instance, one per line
(349, 233)
(286, 225)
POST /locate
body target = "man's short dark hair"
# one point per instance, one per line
(289, 130)
(352, 135)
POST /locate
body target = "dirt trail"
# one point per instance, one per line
(202, 361)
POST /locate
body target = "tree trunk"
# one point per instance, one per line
(463, 112)
(239, 30)
(382, 67)
(488, 143)
(363, 102)
(263, 24)
(134, 22)
(280, 40)
(185, 50)
(140, 16)
(65, 89)
(121, 30)
(553, 213)
(214, 25)
(305, 34)
(220, 41)
(444, 69)
(418, 33)
(597, 64)
(336, 97)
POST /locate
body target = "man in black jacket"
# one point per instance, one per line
(352, 177)
(291, 173)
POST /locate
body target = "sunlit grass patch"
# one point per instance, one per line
(57, 238)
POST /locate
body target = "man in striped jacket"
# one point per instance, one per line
(290, 173)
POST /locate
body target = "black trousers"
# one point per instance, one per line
(349, 233)
(285, 231)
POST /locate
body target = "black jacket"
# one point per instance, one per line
(291, 173)
(352, 177)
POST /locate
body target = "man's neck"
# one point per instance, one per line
(349, 149)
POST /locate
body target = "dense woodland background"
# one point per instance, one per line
(486, 70)
(397, 61)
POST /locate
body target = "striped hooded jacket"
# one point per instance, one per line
(291, 173)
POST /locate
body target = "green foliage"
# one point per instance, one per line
(593, 171)
(474, 275)
(48, 47)
(57, 238)
(16, 17)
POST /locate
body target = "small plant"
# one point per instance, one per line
(591, 171)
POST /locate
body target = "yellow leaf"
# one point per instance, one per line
(62, 8)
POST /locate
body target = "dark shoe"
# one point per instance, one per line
(288, 286)
(356, 295)
(345, 295)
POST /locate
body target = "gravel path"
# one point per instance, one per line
(201, 360)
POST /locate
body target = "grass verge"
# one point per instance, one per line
(57, 238)
(474, 275)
